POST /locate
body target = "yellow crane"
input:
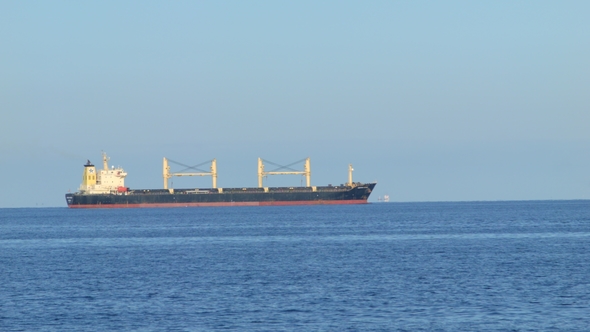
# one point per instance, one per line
(167, 175)
(306, 171)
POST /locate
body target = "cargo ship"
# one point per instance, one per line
(105, 188)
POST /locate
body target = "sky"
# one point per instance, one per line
(434, 100)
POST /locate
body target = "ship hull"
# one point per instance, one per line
(227, 197)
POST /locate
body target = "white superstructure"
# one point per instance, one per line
(104, 181)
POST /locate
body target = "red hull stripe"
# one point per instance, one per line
(168, 205)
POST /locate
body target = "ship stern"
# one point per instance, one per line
(69, 199)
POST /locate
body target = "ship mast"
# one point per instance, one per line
(105, 160)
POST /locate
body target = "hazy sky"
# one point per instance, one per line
(435, 100)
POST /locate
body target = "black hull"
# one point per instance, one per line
(227, 197)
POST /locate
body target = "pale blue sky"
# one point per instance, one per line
(435, 100)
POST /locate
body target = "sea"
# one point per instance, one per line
(450, 266)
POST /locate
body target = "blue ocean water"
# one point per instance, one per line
(473, 266)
